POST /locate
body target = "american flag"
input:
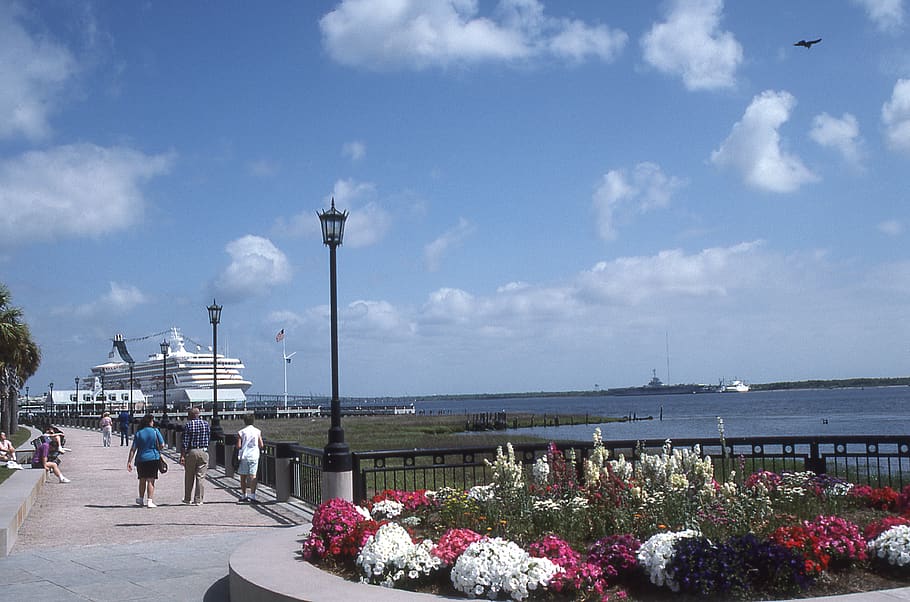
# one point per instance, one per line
(279, 336)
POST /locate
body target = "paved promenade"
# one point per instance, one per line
(88, 540)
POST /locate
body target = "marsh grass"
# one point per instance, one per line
(408, 431)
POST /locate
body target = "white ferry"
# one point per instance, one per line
(189, 374)
(737, 386)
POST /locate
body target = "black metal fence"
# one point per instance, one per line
(877, 460)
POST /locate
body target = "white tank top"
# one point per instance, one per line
(249, 443)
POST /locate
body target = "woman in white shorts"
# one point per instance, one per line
(249, 446)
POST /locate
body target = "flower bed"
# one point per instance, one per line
(603, 530)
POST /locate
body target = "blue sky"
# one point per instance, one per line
(542, 195)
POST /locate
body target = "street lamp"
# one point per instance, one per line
(53, 406)
(165, 349)
(215, 318)
(337, 464)
(131, 392)
(76, 393)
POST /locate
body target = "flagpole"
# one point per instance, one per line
(284, 358)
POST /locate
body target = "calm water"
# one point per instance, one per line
(873, 411)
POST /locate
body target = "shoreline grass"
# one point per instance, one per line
(407, 431)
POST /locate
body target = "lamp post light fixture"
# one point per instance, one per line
(215, 318)
(165, 349)
(337, 462)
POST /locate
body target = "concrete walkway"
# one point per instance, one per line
(88, 540)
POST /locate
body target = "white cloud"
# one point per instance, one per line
(366, 226)
(78, 190)
(888, 15)
(689, 44)
(120, 299)
(263, 168)
(891, 227)
(356, 150)
(450, 305)
(646, 188)
(33, 70)
(256, 266)
(753, 147)
(422, 33)
(376, 319)
(896, 116)
(367, 223)
(711, 272)
(451, 238)
(840, 134)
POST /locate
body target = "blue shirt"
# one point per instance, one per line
(146, 442)
(195, 434)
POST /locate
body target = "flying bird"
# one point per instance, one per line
(807, 43)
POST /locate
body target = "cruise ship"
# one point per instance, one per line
(189, 373)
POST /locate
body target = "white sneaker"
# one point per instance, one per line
(151, 504)
(139, 502)
(64, 480)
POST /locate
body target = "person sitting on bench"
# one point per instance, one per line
(42, 456)
(7, 449)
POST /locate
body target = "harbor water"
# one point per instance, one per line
(866, 411)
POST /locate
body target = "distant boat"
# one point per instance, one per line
(656, 387)
(737, 386)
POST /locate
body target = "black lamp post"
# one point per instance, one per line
(165, 349)
(337, 454)
(131, 392)
(53, 405)
(215, 318)
(76, 393)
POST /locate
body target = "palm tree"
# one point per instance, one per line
(19, 359)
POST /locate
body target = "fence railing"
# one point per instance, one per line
(878, 460)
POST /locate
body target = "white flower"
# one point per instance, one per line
(387, 509)
(390, 556)
(481, 493)
(893, 546)
(541, 471)
(363, 512)
(493, 565)
(656, 552)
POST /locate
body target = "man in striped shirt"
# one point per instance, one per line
(194, 455)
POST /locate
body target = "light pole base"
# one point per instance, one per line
(338, 484)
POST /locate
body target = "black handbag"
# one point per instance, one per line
(162, 465)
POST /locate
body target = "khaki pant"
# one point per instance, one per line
(196, 463)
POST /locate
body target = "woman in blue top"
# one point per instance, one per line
(147, 443)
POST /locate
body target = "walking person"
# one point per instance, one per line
(249, 446)
(124, 420)
(107, 425)
(194, 455)
(147, 446)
